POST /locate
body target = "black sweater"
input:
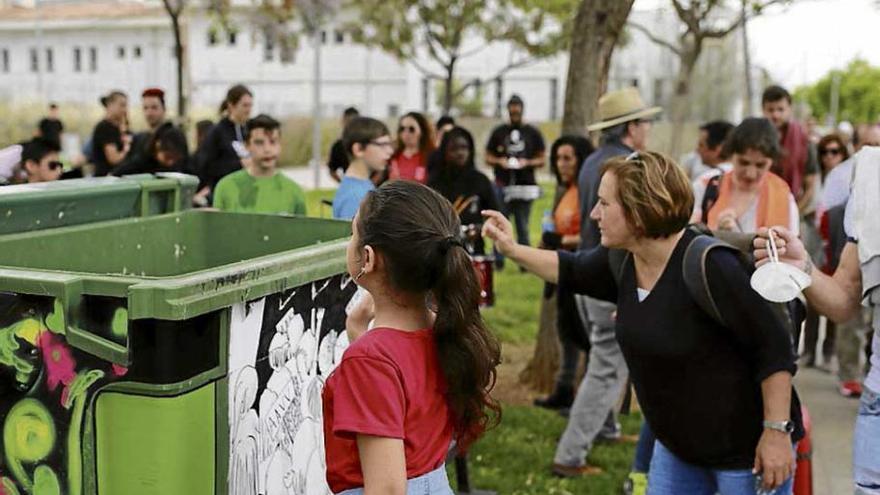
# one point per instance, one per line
(217, 157)
(698, 383)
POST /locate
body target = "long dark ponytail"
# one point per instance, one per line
(417, 232)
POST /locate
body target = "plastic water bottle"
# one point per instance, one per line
(547, 223)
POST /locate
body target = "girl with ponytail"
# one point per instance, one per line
(421, 377)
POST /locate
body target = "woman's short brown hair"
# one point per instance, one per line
(654, 192)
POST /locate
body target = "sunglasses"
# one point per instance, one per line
(829, 151)
(407, 128)
(54, 165)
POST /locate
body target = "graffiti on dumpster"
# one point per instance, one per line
(281, 349)
(44, 390)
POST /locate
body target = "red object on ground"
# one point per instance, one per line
(803, 478)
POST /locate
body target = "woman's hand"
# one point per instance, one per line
(727, 220)
(358, 321)
(774, 459)
(789, 247)
(498, 228)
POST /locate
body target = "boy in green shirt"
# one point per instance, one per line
(259, 187)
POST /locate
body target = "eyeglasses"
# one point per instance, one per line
(829, 151)
(53, 165)
(382, 144)
(406, 128)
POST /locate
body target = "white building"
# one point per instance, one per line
(74, 51)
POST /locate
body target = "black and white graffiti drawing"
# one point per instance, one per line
(281, 350)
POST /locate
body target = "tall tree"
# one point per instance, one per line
(175, 8)
(596, 30)
(443, 32)
(859, 100)
(701, 20)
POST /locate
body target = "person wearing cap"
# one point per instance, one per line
(514, 151)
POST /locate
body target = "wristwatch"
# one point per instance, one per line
(783, 426)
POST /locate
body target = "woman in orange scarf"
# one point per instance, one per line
(749, 196)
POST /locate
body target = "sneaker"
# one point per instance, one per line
(636, 484)
(851, 388)
(563, 471)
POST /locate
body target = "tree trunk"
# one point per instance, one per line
(448, 89)
(597, 27)
(178, 52)
(680, 105)
(540, 372)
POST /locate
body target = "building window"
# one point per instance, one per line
(120, 52)
(268, 46)
(233, 37)
(137, 51)
(77, 59)
(93, 59)
(212, 37)
(50, 60)
(5, 61)
(286, 50)
(658, 90)
(35, 60)
(393, 111)
(340, 36)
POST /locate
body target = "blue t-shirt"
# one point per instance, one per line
(349, 196)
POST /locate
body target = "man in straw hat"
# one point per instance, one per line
(625, 122)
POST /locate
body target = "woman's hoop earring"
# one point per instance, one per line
(360, 274)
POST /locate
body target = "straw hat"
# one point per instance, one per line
(623, 105)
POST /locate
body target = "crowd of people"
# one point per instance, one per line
(713, 379)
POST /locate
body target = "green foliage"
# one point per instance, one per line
(441, 29)
(464, 106)
(859, 99)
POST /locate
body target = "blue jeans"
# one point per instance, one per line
(866, 445)
(671, 476)
(644, 449)
(433, 483)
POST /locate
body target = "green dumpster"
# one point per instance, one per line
(175, 354)
(29, 207)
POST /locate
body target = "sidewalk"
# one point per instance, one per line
(833, 419)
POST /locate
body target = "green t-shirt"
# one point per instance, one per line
(242, 192)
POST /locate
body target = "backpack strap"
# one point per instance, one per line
(710, 197)
(694, 272)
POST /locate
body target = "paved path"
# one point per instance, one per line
(833, 420)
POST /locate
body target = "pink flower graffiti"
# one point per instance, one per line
(59, 362)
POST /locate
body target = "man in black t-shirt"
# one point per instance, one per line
(338, 159)
(514, 151)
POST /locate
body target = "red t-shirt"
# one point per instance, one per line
(409, 167)
(388, 384)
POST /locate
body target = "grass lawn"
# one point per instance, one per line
(515, 458)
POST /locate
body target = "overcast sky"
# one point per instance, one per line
(800, 43)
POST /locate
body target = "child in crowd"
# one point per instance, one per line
(422, 376)
(369, 146)
(39, 159)
(260, 187)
